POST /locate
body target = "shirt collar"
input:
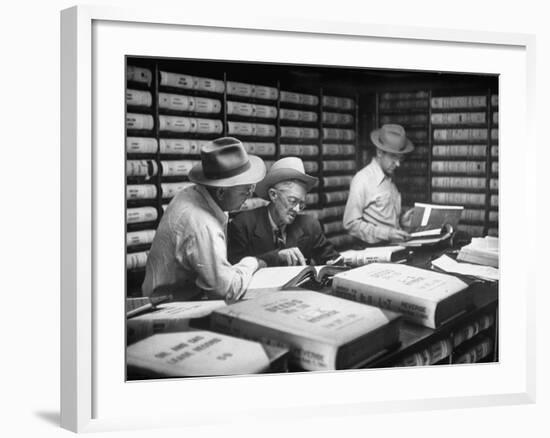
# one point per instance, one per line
(221, 215)
(379, 174)
(274, 226)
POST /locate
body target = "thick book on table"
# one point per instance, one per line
(374, 254)
(275, 278)
(424, 297)
(168, 317)
(200, 353)
(323, 332)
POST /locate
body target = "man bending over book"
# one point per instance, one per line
(373, 209)
(277, 233)
(188, 257)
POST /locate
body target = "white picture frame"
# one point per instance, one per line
(93, 397)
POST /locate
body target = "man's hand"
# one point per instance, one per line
(406, 218)
(291, 257)
(397, 235)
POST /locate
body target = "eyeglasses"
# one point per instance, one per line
(294, 202)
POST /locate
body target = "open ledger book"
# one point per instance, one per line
(288, 277)
(432, 223)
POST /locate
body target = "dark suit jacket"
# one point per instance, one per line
(250, 234)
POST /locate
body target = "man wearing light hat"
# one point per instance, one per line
(188, 257)
(277, 233)
(373, 209)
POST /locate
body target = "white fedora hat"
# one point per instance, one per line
(285, 169)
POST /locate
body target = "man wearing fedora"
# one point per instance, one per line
(188, 257)
(373, 209)
(277, 233)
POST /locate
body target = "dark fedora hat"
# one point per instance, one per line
(392, 138)
(225, 163)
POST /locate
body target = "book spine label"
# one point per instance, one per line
(401, 95)
(338, 149)
(177, 80)
(458, 198)
(339, 165)
(289, 97)
(404, 104)
(181, 146)
(459, 150)
(139, 237)
(298, 116)
(458, 183)
(139, 74)
(139, 98)
(405, 119)
(299, 150)
(457, 118)
(459, 102)
(460, 134)
(263, 92)
(240, 89)
(139, 121)
(494, 200)
(141, 214)
(169, 190)
(338, 134)
(494, 100)
(494, 167)
(141, 191)
(177, 167)
(414, 308)
(141, 145)
(458, 166)
(265, 111)
(146, 168)
(136, 260)
(336, 181)
(494, 134)
(240, 109)
(211, 85)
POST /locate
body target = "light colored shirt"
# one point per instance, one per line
(189, 252)
(374, 205)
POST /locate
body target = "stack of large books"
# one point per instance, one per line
(483, 251)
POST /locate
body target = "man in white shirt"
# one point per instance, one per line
(188, 257)
(373, 209)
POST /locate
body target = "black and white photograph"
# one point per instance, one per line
(284, 218)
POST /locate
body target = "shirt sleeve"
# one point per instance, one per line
(204, 252)
(354, 221)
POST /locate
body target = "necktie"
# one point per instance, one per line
(279, 240)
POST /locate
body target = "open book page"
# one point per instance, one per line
(278, 277)
(433, 216)
(447, 264)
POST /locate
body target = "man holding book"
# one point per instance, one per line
(277, 233)
(373, 210)
(188, 256)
